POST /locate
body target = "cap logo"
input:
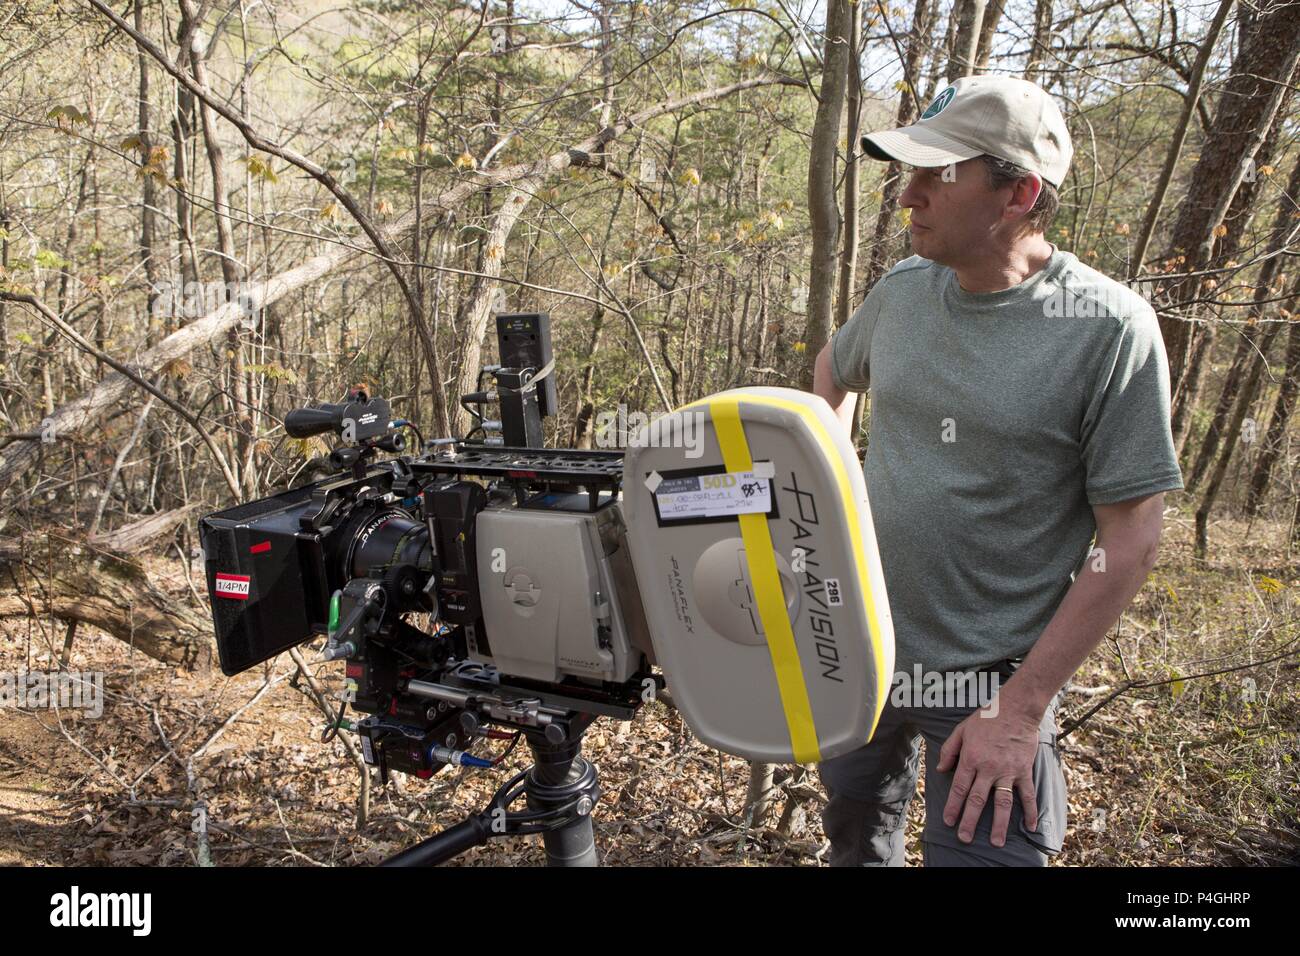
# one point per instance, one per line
(940, 103)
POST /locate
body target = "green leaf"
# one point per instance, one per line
(69, 113)
(259, 168)
(274, 371)
(49, 259)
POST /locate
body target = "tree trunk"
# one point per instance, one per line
(1273, 439)
(1249, 103)
(182, 132)
(849, 251)
(1230, 436)
(1236, 222)
(1193, 380)
(1041, 43)
(240, 436)
(148, 190)
(970, 19)
(5, 222)
(1248, 346)
(1191, 100)
(939, 62)
(988, 30)
(824, 212)
(1227, 398)
(586, 411)
(1257, 364)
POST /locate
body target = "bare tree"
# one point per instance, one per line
(824, 210)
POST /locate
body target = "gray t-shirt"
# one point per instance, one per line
(997, 419)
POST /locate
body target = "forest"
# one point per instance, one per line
(213, 212)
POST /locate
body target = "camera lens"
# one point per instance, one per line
(382, 538)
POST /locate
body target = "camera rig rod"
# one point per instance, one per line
(526, 712)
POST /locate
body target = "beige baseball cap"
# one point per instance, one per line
(1002, 116)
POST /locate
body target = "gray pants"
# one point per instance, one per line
(871, 788)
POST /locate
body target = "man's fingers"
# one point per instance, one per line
(950, 751)
(976, 800)
(957, 793)
(1028, 798)
(1004, 797)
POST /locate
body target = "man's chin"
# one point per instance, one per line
(925, 245)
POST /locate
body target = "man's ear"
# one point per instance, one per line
(1024, 193)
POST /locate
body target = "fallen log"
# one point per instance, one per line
(75, 581)
(130, 538)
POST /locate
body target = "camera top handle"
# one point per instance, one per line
(305, 422)
(365, 424)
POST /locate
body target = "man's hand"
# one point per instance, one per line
(990, 752)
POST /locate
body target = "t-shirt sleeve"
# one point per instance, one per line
(851, 345)
(1127, 443)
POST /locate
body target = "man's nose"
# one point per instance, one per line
(911, 195)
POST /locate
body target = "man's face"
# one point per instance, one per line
(955, 211)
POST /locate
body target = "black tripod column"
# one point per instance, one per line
(562, 778)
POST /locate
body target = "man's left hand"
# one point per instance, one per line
(990, 752)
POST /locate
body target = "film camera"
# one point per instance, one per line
(555, 581)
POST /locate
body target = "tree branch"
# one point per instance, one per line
(75, 338)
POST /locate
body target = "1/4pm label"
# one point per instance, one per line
(233, 586)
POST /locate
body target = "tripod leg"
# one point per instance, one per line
(443, 846)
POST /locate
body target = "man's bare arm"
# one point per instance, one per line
(842, 403)
(991, 753)
(1128, 539)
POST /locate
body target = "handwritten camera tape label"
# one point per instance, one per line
(715, 496)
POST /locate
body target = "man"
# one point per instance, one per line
(1020, 402)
